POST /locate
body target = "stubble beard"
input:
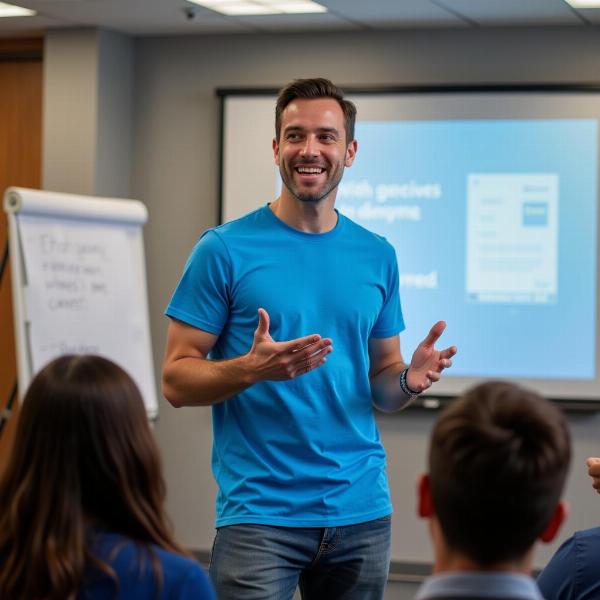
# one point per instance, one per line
(310, 198)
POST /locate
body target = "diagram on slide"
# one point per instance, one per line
(512, 237)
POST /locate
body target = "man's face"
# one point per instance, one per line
(311, 151)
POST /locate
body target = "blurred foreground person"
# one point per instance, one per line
(498, 461)
(82, 496)
(573, 573)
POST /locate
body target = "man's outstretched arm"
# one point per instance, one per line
(189, 378)
(387, 365)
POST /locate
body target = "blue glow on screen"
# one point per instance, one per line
(494, 225)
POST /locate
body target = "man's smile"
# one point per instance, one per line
(310, 170)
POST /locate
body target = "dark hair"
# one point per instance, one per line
(312, 89)
(84, 458)
(498, 461)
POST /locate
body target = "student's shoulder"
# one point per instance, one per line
(586, 544)
(133, 564)
(184, 576)
(175, 563)
(579, 553)
(583, 542)
(591, 535)
(573, 570)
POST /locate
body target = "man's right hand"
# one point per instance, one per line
(278, 361)
(593, 465)
(190, 378)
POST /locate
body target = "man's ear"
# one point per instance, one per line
(276, 151)
(425, 503)
(556, 520)
(351, 153)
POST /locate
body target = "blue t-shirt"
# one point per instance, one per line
(573, 573)
(182, 578)
(304, 452)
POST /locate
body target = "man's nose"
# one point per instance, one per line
(310, 147)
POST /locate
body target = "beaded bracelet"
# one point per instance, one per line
(404, 385)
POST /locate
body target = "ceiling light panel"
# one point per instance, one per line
(10, 10)
(584, 3)
(261, 7)
(300, 7)
(213, 3)
(244, 8)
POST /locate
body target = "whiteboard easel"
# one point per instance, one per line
(79, 282)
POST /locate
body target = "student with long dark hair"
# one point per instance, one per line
(82, 497)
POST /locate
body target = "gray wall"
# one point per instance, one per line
(114, 150)
(70, 105)
(88, 103)
(174, 170)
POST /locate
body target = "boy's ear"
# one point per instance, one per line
(424, 502)
(556, 520)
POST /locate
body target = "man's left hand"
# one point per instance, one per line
(427, 363)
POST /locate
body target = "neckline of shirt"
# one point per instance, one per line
(305, 235)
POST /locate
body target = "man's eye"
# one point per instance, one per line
(293, 136)
(328, 137)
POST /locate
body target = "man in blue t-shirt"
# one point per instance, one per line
(286, 322)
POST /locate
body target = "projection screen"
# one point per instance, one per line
(490, 198)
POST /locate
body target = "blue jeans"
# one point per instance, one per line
(261, 562)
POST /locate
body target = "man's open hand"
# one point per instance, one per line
(427, 363)
(278, 361)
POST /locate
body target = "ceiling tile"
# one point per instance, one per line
(299, 22)
(514, 12)
(394, 13)
(149, 17)
(591, 15)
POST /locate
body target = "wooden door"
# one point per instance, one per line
(20, 165)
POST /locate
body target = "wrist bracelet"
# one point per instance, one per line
(404, 385)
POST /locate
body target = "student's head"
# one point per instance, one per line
(312, 89)
(498, 460)
(83, 458)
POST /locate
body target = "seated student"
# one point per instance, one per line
(498, 460)
(573, 573)
(82, 495)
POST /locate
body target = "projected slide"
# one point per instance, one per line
(489, 219)
(512, 238)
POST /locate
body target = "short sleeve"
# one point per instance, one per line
(202, 296)
(390, 321)
(557, 580)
